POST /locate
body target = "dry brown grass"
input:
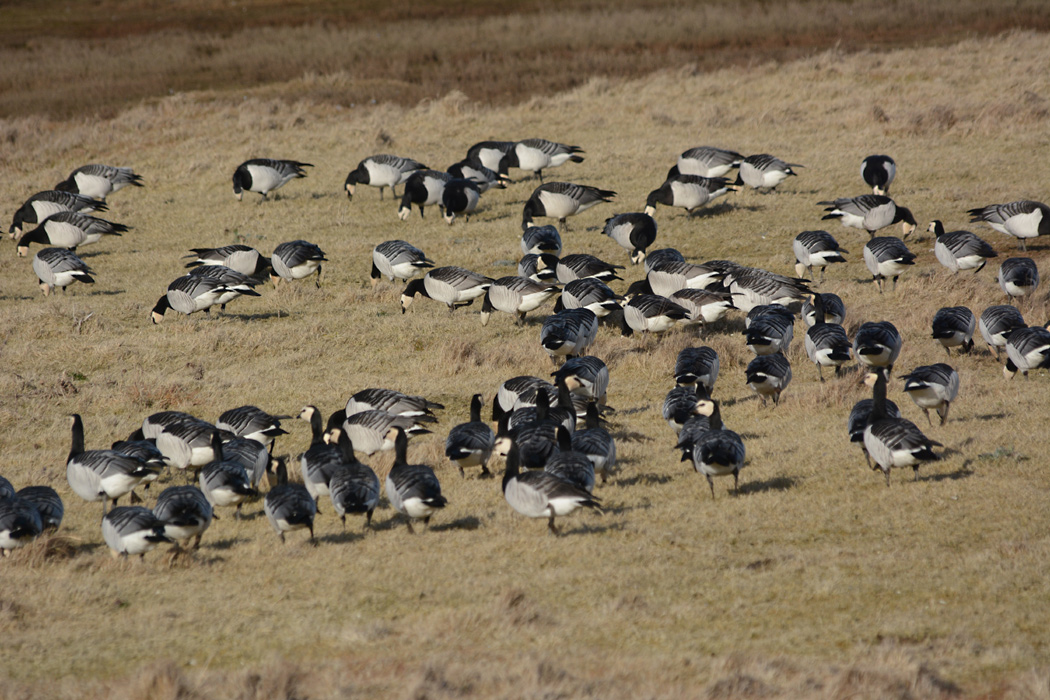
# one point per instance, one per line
(815, 581)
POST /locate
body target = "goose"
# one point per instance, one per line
(595, 443)
(770, 331)
(398, 260)
(253, 423)
(706, 161)
(236, 284)
(586, 376)
(470, 444)
(147, 452)
(6, 489)
(1018, 277)
(460, 197)
(69, 229)
(558, 409)
(932, 386)
(887, 257)
(354, 488)
(996, 324)
(953, 327)
(132, 530)
(156, 423)
(764, 171)
(294, 260)
(827, 344)
(20, 523)
(719, 451)
(252, 455)
(517, 392)
(187, 442)
(633, 231)
(393, 402)
(452, 286)
(224, 482)
(769, 375)
(542, 268)
(859, 419)
(412, 489)
(574, 467)
(422, 188)
(47, 503)
(289, 507)
(540, 240)
(539, 494)
(371, 431)
(877, 344)
(589, 293)
(696, 366)
(960, 250)
(869, 212)
(240, 258)
(878, 173)
(581, 265)
(474, 170)
(1023, 219)
(264, 175)
(99, 181)
(703, 306)
(101, 475)
(816, 249)
(516, 295)
(560, 200)
(834, 309)
(681, 403)
(43, 204)
(191, 293)
(893, 442)
(667, 277)
(1027, 349)
(533, 155)
(751, 287)
(185, 513)
(692, 429)
(322, 461)
(381, 171)
(568, 333)
(536, 439)
(58, 267)
(689, 192)
(492, 154)
(661, 256)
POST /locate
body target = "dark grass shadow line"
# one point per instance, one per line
(8, 297)
(963, 472)
(222, 545)
(990, 416)
(646, 479)
(586, 529)
(246, 318)
(468, 523)
(778, 483)
(344, 537)
(711, 212)
(622, 509)
(105, 293)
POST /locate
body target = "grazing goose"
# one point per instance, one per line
(1027, 349)
(452, 286)
(224, 482)
(240, 258)
(475, 171)
(932, 386)
(953, 327)
(542, 268)
(492, 154)
(371, 431)
(878, 172)
(539, 494)
(585, 376)
(560, 200)
(354, 488)
(589, 293)
(1023, 219)
(667, 277)
(706, 161)
(393, 402)
(131, 530)
(470, 444)
(1018, 277)
(253, 423)
(681, 403)
(763, 171)
(264, 175)
(696, 366)
(859, 417)
(460, 197)
(185, 513)
(20, 523)
(517, 392)
(294, 260)
(251, 455)
(516, 295)
(289, 507)
(704, 306)
(558, 409)
(816, 249)
(541, 239)
(770, 331)
(581, 265)
(834, 310)
(184, 440)
(574, 467)
(877, 344)
(769, 375)
(101, 475)
(595, 443)
(751, 287)
(43, 204)
(398, 260)
(156, 423)
(191, 293)
(58, 267)
(996, 324)
(47, 503)
(236, 284)
(568, 333)
(422, 188)
(660, 256)
(633, 231)
(68, 229)
(533, 155)
(717, 452)
(827, 344)
(960, 250)
(893, 442)
(869, 212)
(887, 257)
(99, 181)
(147, 452)
(381, 171)
(412, 489)
(689, 192)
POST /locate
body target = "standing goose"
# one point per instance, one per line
(574, 467)
(682, 403)
(878, 173)
(581, 265)
(953, 327)
(589, 293)
(893, 442)
(869, 212)
(996, 324)
(877, 344)
(372, 431)
(586, 376)
(595, 443)
(264, 175)
(764, 171)
(539, 494)
(47, 503)
(568, 333)
(322, 461)
(770, 331)
(769, 375)
(191, 293)
(1023, 219)
(240, 258)
(354, 488)
(689, 192)
(706, 161)
(717, 452)
(412, 489)
(560, 200)
(99, 181)
(393, 402)
(960, 250)
(932, 386)
(422, 188)
(398, 260)
(253, 423)
(185, 513)
(816, 249)
(536, 439)
(43, 204)
(460, 197)
(533, 155)
(696, 366)
(633, 231)
(58, 267)
(859, 417)
(1018, 277)
(516, 295)
(294, 260)
(887, 257)
(541, 239)
(289, 507)
(827, 344)
(381, 171)
(68, 229)
(101, 475)
(452, 286)
(559, 409)
(492, 154)
(225, 482)
(20, 523)
(474, 170)
(834, 310)
(131, 530)
(470, 444)
(1027, 349)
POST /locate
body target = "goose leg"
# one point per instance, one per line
(710, 484)
(550, 524)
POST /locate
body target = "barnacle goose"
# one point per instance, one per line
(580, 265)
(43, 204)
(718, 451)
(474, 170)
(878, 172)
(185, 513)
(953, 327)
(101, 475)
(893, 442)
(751, 287)
(99, 181)
(633, 231)
(568, 333)
(869, 212)
(322, 461)
(877, 344)
(452, 286)
(131, 530)
(381, 171)
(184, 440)
(560, 200)
(6, 489)
(236, 284)
(20, 523)
(372, 431)
(460, 197)
(589, 293)
(681, 403)
(706, 161)
(1018, 277)
(264, 175)
(253, 423)
(354, 488)
(398, 260)
(533, 155)
(651, 313)
(887, 257)
(294, 260)
(661, 256)
(566, 463)
(689, 192)
(932, 386)
(764, 171)
(470, 444)
(516, 295)
(704, 306)
(558, 408)
(1027, 349)
(1023, 219)
(667, 277)
(827, 344)
(423, 188)
(192, 293)
(492, 154)
(540, 240)
(696, 366)
(834, 309)
(859, 418)
(996, 324)
(517, 392)
(240, 258)
(58, 267)
(224, 482)
(587, 376)
(393, 402)
(542, 268)
(595, 442)
(770, 330)
(47, 502)
(960, 250)
(768, 375)
(68, 229)
(251, 455)
(816, 249)
(539, 494)
(412, 489)
(289, 507)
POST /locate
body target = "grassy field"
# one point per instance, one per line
(816, 580)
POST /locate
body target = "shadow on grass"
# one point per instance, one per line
(246, 318)
(222, 545)
(468, 523)
(592, 529)
(646, 479)
(962, 472)
(345, 536)
(778, 483)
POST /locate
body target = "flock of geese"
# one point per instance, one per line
(550, 435)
